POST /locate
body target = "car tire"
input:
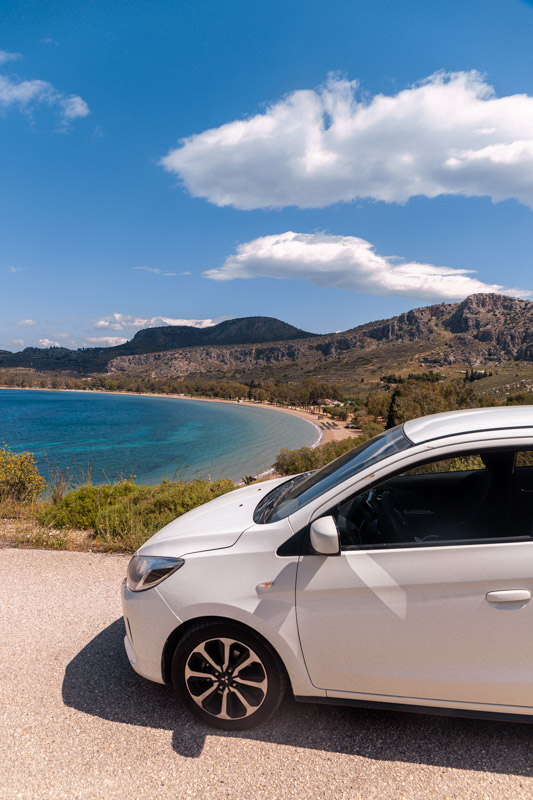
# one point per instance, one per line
(227, 676)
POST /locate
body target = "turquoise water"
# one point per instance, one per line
(149, 437)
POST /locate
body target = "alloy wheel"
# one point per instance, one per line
(226, 678)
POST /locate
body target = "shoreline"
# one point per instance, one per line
(323, 435)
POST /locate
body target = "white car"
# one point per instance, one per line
(398, 576)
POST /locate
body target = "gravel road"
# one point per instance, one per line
(75, 720)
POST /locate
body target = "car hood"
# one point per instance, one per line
(211, 526)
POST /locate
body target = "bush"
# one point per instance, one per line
(125, 515)
(19, 476)
(291, 462)
(520, 399)
(416, 399)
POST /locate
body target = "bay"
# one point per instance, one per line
(116, 436)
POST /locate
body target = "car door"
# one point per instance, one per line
(445, 621)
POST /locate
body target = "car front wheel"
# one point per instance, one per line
(227, 676)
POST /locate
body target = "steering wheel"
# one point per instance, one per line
(392, 523)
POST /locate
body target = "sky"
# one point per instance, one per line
(325, 163)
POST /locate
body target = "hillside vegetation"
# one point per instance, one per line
(483, 331)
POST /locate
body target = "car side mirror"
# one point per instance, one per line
(324, 536)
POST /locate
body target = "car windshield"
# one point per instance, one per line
(296, 493)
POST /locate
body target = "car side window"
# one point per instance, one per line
(521, 517)
(524, 459)
(460, 500)
(456, 464)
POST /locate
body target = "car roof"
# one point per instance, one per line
(471, 420)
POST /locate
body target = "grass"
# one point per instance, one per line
(116, 517)
(42, 539)
(122, 516)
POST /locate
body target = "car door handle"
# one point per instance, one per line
(509, 596)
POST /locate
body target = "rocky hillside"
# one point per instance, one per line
(246, 330)
(483, 329)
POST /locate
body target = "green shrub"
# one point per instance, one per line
(416, 399)
(125, 515)
(19, 476)
(520, 399)
(291, 462)
(82, 508)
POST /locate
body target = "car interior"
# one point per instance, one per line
(474, 497)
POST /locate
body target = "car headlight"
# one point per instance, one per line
(147, 571)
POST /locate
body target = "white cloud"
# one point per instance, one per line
(5, 57)
(25, 323)
(18, 342)
(449, 134)
(12, 270)
(49, 40)
(47, 343)
(156, 271)
(121, 322)
(156, 322)
(106, 341)
(74, 107)
(163, 273)
(348, 262)
(25, 94)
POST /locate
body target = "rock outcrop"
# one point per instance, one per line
(483, 328)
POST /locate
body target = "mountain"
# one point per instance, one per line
(484, 329)
(245, 330)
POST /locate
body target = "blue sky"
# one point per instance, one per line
(323, 163)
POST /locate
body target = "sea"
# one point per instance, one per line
(110, 437)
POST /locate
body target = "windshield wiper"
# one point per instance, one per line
(289, 486)
(274, 498)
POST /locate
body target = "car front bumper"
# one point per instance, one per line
(149, 622)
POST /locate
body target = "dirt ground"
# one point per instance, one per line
(77, 722)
